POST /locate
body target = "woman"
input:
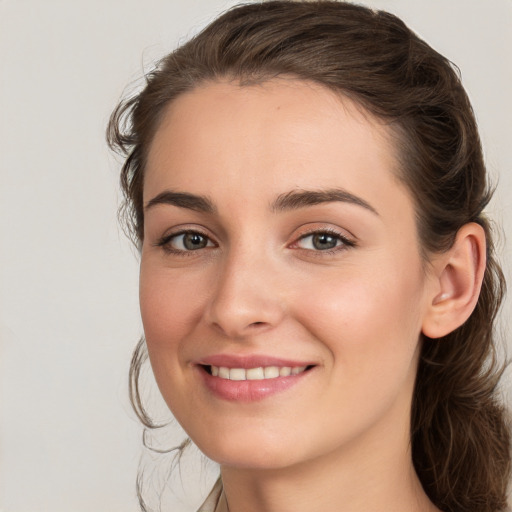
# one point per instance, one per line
(318, 285)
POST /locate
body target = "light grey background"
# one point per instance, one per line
(68, 278)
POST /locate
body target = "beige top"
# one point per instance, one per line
(216, 500)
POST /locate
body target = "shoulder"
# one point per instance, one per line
(213, 499)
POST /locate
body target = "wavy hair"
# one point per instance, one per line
(459, 428)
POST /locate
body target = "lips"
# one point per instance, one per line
(250, 378)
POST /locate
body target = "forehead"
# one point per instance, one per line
(224, 138)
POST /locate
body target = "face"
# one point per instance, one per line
(281, 287)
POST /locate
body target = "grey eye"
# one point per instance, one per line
(319, 241)
(190, 241)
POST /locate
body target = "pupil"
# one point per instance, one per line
(194, 241)
(324, 241)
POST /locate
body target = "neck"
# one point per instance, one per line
(373, 472)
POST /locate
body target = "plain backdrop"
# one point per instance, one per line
(68, 278)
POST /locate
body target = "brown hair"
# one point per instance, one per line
(459, 434)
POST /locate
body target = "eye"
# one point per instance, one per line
(185, 241)
(323, 241)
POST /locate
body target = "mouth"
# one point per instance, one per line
(257, 373)
(251, 378)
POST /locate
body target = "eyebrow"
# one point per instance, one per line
(183, 200)
(295, 200)
(292, 200)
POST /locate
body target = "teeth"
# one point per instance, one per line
(237, 374)
(285, 371)
(271, 372)
(268, 372)
(254, 374)
(223, 372)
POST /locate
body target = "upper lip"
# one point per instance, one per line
(249, 361)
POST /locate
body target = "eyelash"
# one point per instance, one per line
(346, 243)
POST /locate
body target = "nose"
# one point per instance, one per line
(247, 297)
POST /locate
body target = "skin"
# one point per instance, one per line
(339, 438)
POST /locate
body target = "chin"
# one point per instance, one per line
(257, 454)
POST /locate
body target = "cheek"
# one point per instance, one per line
(170, 305)
(367, 320)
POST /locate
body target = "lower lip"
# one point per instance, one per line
(249, 390)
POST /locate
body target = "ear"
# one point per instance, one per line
(458, 275)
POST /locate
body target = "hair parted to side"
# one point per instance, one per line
(459, 429)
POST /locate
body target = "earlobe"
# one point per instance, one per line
(459, 274)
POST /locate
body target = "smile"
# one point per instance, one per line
(251, 378)
(259, 373)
